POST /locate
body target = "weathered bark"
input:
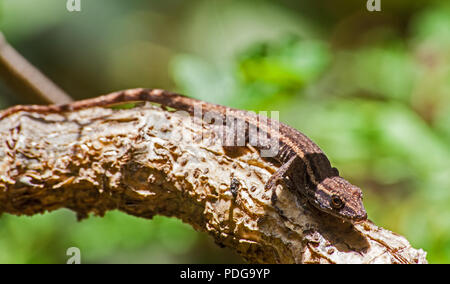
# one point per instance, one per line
(147, 160)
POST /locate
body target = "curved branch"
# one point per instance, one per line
(147, 160)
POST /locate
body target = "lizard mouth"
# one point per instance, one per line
(359, 219)
(343, 214)
(351, 218)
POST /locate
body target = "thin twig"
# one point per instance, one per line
(26, 79)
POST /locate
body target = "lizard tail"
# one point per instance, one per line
(159, 96)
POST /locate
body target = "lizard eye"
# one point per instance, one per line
(336, 202)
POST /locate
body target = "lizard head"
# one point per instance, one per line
(340, 198)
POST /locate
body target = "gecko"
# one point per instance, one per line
(303, 164)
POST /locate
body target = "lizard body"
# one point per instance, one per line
(302, 162)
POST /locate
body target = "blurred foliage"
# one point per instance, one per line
(373, 90)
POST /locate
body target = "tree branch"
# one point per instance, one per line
(147, 161)
(26, 79)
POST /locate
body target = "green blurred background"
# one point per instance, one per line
(372, 89)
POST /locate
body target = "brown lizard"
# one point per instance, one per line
(303, 164)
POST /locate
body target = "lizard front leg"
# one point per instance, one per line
(279, 176)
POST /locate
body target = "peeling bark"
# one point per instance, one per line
(148, 161)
